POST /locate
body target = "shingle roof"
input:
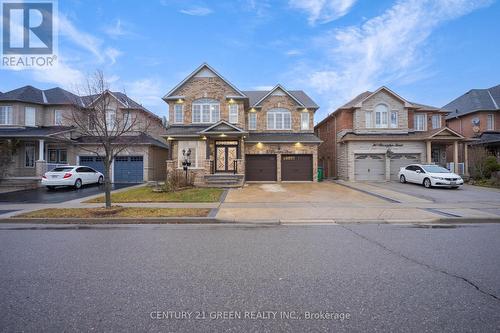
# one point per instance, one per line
(255, 95)
(475, 100)
(33, 131)
(27, 94)
(283, 137)
(185, 130)
(489, 137)
(126, 139)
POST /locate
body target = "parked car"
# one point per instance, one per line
(429, 175)
(75, 176)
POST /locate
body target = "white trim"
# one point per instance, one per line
(369, 116)
(10, 114)
(249, 122)
(222, 122)
(279, 86)
(424, 115)
(492, 122)
(391, 125)
(282, 112)
(204, 65)
(55, 117)
(386, 112)
(210, 114)
(175, 113)
(432, 121)
(229, 113)
(308, 126)
(30, 108)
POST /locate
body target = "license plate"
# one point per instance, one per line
(53, 176)
(453, 183)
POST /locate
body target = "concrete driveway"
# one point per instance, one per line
(311, 202)
(42, 195)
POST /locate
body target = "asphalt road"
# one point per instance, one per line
(62, 194)
(384, 277)
(466, 193)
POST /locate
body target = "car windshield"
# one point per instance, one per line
(61, 169)
(435, 169)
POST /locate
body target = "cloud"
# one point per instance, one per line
(196, 11)
(266, 88)
(323, 11)
(62, 74)
(293, 52)
(112, 54)
(147, 91)
(385, 49)
(118, 30)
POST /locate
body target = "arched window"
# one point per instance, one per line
(206, 110)
(381, 116)
(279, 119)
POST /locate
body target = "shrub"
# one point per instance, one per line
(176, 179)
(490, 166)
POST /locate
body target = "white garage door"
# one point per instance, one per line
(399, 161)
(369, 167)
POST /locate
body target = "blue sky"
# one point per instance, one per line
(429, 51)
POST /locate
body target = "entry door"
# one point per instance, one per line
(225, 155)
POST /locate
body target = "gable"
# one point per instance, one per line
(222, 127)
(205, 72)
(383, 97)
(280, 92)
(446, 133)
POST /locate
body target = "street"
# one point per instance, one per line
(189, 278)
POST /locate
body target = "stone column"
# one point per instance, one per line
(429, 152)
(455, 156)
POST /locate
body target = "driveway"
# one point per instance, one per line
(466, 193)
(42, 195)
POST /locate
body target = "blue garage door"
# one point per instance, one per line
(92, 161)
(129, 169)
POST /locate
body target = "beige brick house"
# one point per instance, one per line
(39, 121)
(229, 135)
(375, 134)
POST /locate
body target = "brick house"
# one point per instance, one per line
(231, 136)
(375, 134)
(40, 121)
(475, 116)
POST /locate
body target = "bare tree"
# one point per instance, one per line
(107, 123)
(477, 161)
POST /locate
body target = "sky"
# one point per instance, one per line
(428, 51)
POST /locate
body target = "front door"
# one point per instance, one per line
(226, 153)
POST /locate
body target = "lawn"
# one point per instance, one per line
(146, 194)
(116, 211)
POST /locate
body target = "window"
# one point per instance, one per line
(381, 115)
(419, 122)
(436, 121)
(304, 121)
(57, 156)
(29, 116)
(490, 125)
(279, 119)
(206, 111)
(394, 119)
(91, 123)
(368, 119)
(233, 113)
(127, 120)
(252, 121)
(5, 115)
(110, 118)
(29, 155)
(178, 113)
(58, 117)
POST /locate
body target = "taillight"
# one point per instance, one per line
(67, 175)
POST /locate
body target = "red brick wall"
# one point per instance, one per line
(463, 125)
(411, 116)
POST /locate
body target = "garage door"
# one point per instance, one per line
(400, 161)
(296, 168)
(260, 167)
(92, 161)
(129, 169)
(369, 167)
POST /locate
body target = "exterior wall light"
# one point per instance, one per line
(170, 138)
(223, 135)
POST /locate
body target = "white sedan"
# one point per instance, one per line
(429, 175)
(75, 176)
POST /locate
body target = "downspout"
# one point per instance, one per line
(335, 144)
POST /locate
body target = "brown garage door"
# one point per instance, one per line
(296, 167)
(260, 167)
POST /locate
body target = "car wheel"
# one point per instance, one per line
(51, 187)
(402, 179)
(101, 180)
(427, 183)
(78, 184)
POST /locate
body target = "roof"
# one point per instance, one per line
(283, 137)
(475, 100)
(34, 131)
(443, 133)
(185, 130)
(256, 95)
(142, 138)
(489, 137)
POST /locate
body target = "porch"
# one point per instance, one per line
(444, 144)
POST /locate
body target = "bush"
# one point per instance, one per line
(490, 166)
(176, 179)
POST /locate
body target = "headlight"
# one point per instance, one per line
(440, 178)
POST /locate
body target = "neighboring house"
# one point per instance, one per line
(372, 136)
(40, 120)
(476, 114)
(252, 135)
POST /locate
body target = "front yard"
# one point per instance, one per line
(146, 194)
(116, 211)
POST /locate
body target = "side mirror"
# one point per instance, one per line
(418, 171)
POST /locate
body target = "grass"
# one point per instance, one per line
(115, 211)
(146, 194)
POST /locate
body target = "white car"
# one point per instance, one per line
(75, 176)
(429, 175)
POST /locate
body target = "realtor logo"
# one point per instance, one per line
(28, 34)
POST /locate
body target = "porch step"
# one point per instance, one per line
(223, 180)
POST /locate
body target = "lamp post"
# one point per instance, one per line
(186, 163)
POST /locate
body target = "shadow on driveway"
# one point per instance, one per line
(44, 195)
